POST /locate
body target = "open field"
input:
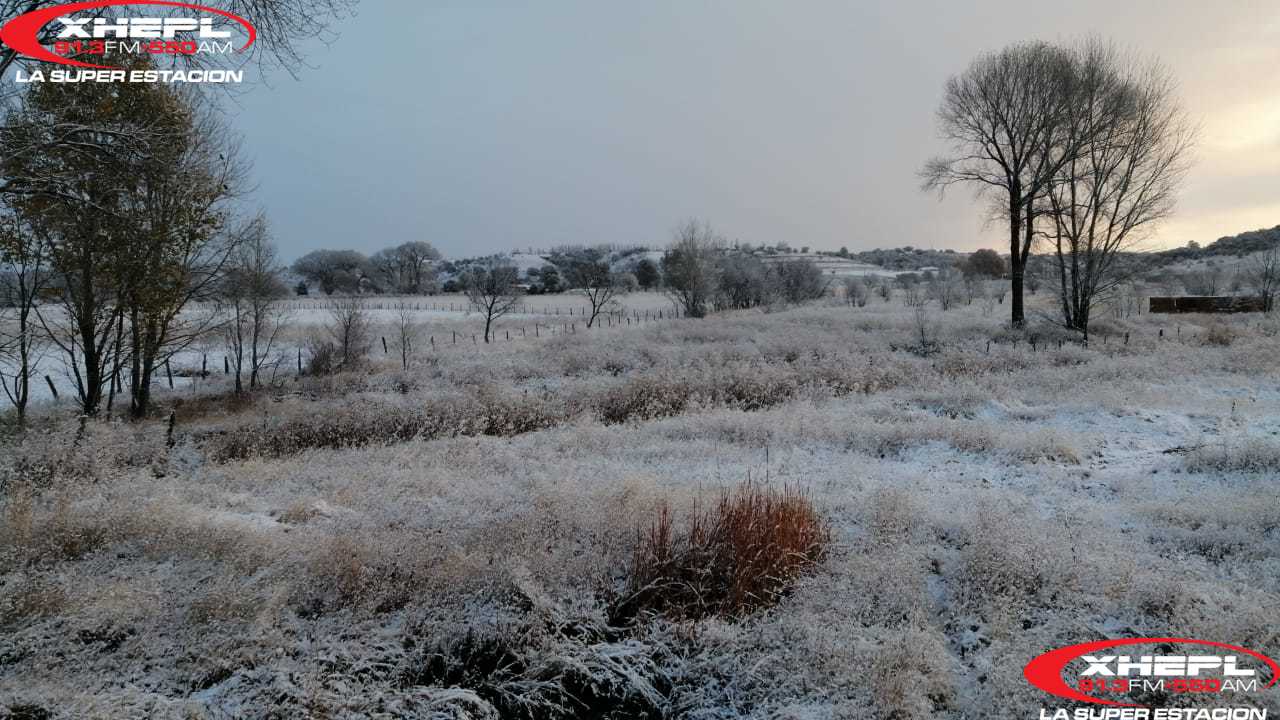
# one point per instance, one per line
(437, 541)
(443, 322)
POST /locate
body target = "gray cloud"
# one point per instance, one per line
(485, 127)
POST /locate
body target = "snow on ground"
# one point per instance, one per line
(986, 506)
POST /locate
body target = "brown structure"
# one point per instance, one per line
(1205, 304)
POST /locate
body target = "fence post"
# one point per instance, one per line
(168, 372)
(204, 365)
(226, 365)
(384, 344)
(52, 388)
(299, 362)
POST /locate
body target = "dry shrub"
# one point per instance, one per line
(643, 398)
(1011, 563)
(911, 676)
(742, 553)
(36, 528)
(1218, 334)
(322, 357)
(24, 597)
(299, 512)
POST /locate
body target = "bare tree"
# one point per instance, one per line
(1134, 144)
(1264, 276)
(333, 271)
(743, 281)
(349, 332)
(492, 290)
(594, 280)
(24, 274)
(183, 236)
(407, 330)
(690, 269)
(73, 160)
(1004, 118)
(945, 287)
(250, 290)
(856, 291)
(406, 268)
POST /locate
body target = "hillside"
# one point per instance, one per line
(1240, 245)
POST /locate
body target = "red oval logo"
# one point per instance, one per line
(1045, 671)
(23, 32)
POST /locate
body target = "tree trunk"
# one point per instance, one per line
(1017, 262)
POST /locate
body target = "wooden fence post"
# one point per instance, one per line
(52, 388)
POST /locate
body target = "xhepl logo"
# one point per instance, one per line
(1230, 669)
(88, 36)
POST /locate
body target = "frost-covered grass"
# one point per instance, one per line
(444, 542)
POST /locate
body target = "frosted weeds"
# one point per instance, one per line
(985, 507)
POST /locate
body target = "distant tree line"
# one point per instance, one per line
(703, 273)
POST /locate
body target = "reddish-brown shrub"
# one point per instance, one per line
(742, 553)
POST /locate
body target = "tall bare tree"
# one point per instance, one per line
(691, 269)
(1004, 118)
(250, 290)
(24, 275)
(183, 236)
(1134, 144)
(492, 290)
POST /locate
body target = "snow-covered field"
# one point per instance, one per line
(445, 322)
(301, 555)
(432, 306)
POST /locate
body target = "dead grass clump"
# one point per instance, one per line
(36, 528)
(25, 597)
(742, 553)
(364, 423)
(299, 512)
(553, 673)
(1254, 455)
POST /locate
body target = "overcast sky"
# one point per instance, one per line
(488, 126)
